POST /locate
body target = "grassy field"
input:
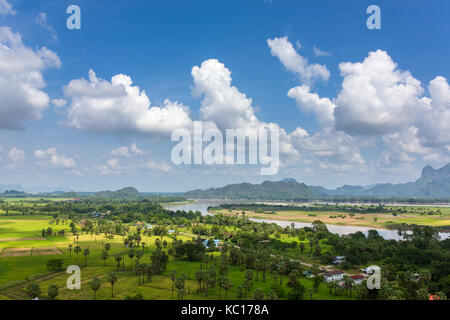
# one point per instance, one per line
(407, 215)
(16, 272)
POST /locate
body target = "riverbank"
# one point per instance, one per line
(340, 218)
(207, 208)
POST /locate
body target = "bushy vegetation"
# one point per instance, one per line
(144, 246)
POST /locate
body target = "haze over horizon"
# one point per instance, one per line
(93, 109)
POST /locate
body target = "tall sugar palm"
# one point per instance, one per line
(173, 275)
(85, 253)
(226, 286)
(105, 256)
(95, 285)
(112, 278)
(118, 259)
(77, 250)
(131, 256)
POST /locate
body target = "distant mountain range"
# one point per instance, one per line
(432, 184)
(6, 187)
(128, 192)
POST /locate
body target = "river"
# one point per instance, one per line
(202, 206)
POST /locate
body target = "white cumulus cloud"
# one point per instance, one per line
(51, 158)
(323, 108)
(224, 105)
(116, 106)
(294, 62)
(127, 151)
(6, 7)
(21, 80)
(376, 97)
(17, 156)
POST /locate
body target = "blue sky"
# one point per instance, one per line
(157, 44)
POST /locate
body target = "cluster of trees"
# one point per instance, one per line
(49, 232)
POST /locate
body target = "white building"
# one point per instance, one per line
(337, 275)
(357, 278)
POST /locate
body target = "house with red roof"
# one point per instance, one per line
(357, 278)
(336, 275)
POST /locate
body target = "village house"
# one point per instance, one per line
(216, 242)
(339, 259)
(357, 278)
(336, 275)
(307, 274)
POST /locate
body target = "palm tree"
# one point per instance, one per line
(131, 256)
(112, 278)
(77, 250)
(199, 275)
(311, 291)
(104, 256)
(142, 268)
(173, 275)
(275, 276)
(86, 253)
(348, 284)
(95, 285)
(226, 286)
(70, 251)
(118, 259)
(329, 285)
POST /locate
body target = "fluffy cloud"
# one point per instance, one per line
(157, 166)
(17, 156)
(227, 107)
(58, 103)
(320, 53)
(50, 158)
(110, 167)
(405, 141)
(127, 151)
(378, 100)
(21, 80)
(6, 7)
(434, 121)
(329, 147)
(222, 103)
(117, 106)
(292, 61)
(323, 108)
(376, 97)
(41, 19)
